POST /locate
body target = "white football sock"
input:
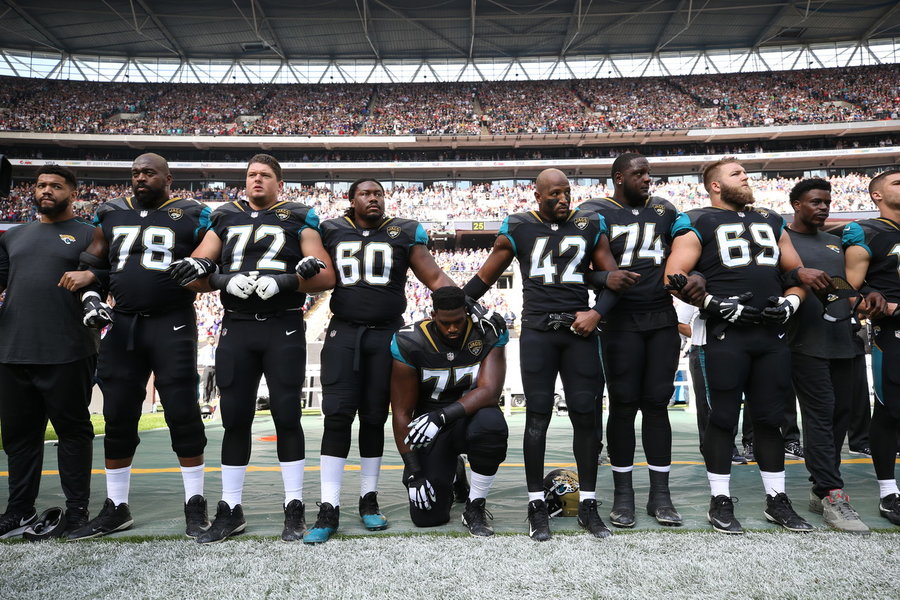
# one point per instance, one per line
(719, 485)
(583, 495)
(118, 483)
(886, 487)
(664, 469)
(292, 476)
(773, 482)
(331, 474)
(192, 477)
(233, 483)
(480, 485)
(532, 496)
(370, 469)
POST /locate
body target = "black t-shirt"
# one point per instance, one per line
(553, 258)
(371, 266)
(266, 242)
(143, 243)
(40, 322)
(808, 333)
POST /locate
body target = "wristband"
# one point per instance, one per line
(596, 279)
(475, 288)
(86, 259)
(606, 300)
(218, 281)
(287, 282)
(411, 461)
(453, 411)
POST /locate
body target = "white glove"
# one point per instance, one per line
(421, 494)
(424, 428)
(266, 287)
(241, 286)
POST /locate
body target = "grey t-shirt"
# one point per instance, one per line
(808, 333)
(40, 323)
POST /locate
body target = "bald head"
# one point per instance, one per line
(554, 196)
(150, 180)
(550, 177)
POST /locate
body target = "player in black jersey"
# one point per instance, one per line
(269, 256)
(47, 356)
(445, 389)
(555, 246)
(372, 254)
(872, 253)
(640, 339)
(154, 330)
(738, 249)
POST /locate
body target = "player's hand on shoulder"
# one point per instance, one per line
(620, 280)
(814, 278)
(96, 314)
(309, 267)
(485, 319)
(190, 269)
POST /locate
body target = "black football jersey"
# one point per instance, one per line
(142, 245)
(740, 250)
(265, 242)
(881, 239)
(640, 239)
(445, 372)
(371, 266)
(553, 258)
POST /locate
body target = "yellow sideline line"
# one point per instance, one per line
(255, 469)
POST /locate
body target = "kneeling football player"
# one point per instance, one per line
(445, 389)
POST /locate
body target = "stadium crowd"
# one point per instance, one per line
(440, 204)
(647, 103)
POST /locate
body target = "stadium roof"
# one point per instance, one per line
(431, 29)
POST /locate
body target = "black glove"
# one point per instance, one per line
(733, 309)
(187, 270)
(421, 493)
(781, 309)
(676, 282)
(97, 313)
(485, 319)
(308, 267)
(424, 428)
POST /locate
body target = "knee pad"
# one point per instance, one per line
(188, 437)
(338, 422)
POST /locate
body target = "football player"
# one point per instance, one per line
(445, 390)
(154, 330)
(269, 256)
(872, 251)
(372, 254)
(742, 251)
(555, 245)
(639, 339)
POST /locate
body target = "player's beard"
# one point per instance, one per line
(148, 197)
(738, 197)
(57, 209)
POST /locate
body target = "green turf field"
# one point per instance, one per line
(154, 560)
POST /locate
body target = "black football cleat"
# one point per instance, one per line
(195, 519)
(589, 519)
(538, 521)
(475, 518)
(229, 521)
(721, 515)
(779, 510)
(112, 518)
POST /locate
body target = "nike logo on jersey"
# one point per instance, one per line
(291, 332)
(177, 327)
(780, 335)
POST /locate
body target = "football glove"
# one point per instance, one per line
(733, 309)
(676, 283)
(187, 270)
(269, 285)
(97, 313)
(485, 319)
(420, 491)
(781, 309)
(241, 285)
(308, 267)
(424, 428)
